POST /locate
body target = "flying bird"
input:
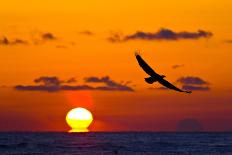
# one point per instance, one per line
(154, 77)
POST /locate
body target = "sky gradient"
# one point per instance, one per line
(58, 55)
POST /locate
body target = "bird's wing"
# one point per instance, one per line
(171, 86)
(145, 66)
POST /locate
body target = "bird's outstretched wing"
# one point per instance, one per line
(145, 66)
(171, 86)
(156, 77)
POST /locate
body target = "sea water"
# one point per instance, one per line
(112, 143)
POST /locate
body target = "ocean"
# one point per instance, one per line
(112, 143)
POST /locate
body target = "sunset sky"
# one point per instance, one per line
(59, 55)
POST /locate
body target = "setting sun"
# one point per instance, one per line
(79, 119)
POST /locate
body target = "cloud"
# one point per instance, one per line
(200, 88)
(115, 37)
(37, 88)
(53, 88)
(110, 84)
(18, 41)
(193, 83)
(189, 125)
(48, 81)
(162, 34)
(86, 32)
(192, 80)
(167, 34)
(6, 41)
(48, 36)
(177, 66)
(71, 80)
(39, 39)
(54, 84)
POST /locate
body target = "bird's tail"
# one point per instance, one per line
(150, 80)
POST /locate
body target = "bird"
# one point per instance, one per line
(155, 77)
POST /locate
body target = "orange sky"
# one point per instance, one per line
(71, 52)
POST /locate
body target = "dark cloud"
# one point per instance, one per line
(6, 41)
(48, 81)
(110, 84)
(177, 66)
(86, 32)
(162, 34)
(38, 88)
(200, 88)
(192, 80)
(127, 82)
(193, 83)
(40, 37)
(54, 84)
(48, 36)
(71, 80)
(18, 41)
(189, 125)
(53, 88)
(37, 38)
(167, 34)
(105, 79)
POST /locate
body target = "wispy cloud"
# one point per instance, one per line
(116, 37)
(62, 46)
(162, 34)
(86, 32)
(37, 38)
(177, 66)
(5, 41)
(54, 84)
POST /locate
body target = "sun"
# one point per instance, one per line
(79, 119)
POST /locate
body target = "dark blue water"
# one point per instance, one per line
(122, 143)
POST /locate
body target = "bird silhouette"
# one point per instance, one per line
(154, 77)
